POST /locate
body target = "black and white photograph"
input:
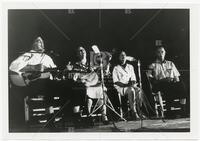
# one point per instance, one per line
(98, 70)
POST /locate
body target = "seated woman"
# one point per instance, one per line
(125, 81)
(87, 79)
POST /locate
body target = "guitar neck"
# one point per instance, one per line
(37, 68)
(46, 70)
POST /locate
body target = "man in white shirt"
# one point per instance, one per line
(165, 78)
(36, 62)
(35, 56)
(30, 67)
(125, 81)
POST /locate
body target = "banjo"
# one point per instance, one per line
(87, 78)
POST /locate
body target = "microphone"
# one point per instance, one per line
(96, 49)
(130, 58)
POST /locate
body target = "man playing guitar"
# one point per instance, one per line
(26, 65)
(29, 70)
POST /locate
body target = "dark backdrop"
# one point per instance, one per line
(135, 32)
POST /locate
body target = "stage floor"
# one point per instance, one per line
(157, 125)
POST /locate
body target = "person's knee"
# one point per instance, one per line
(76, 109)
(89, 100)
(130, 91)
(101, 101)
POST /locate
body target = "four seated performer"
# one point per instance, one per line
(125, 81)
(165, 78)
(164, 75)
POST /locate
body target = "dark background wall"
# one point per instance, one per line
(135, 32)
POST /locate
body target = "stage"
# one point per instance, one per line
(148, 125)
(175, 125)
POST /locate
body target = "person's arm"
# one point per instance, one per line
(176, 79)
(176, 73)
(151, 75)
(133, 80)
(20, 63)
(122, 84)
(48, 62)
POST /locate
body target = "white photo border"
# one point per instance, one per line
(194, 71)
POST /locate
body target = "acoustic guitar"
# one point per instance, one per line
(29, 74)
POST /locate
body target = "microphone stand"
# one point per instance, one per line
(106, 100)
(140, 86)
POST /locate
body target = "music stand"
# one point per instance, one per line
(106, 100)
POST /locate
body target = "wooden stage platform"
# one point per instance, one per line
(172, 125)
(148, 125)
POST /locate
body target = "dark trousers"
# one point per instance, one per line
(78, 94)
(171, 90)
(16, 108)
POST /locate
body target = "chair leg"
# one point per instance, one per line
(89, 105)
(161, 105)
(120, 105)
(155, 96)
(156, 110)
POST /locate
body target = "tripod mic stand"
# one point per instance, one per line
(143, 100)
(106, 100)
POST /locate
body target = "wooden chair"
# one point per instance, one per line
(37, 111)
(159, 103)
